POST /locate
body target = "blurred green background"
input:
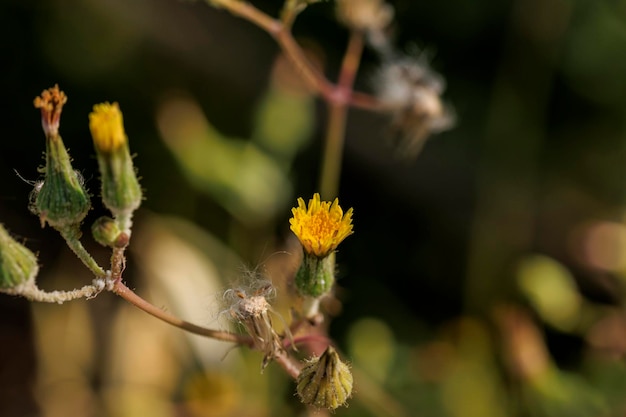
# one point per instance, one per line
(485, 277)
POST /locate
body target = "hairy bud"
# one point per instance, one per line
(61, 200)
(18, 265)
(325, 382)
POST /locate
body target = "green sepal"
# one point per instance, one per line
(316, 276)
(61, 200)
(121, 192)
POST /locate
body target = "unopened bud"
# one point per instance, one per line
(121, 192)
(61, 201)
(107, 233)
(325, 382)
(18, 265)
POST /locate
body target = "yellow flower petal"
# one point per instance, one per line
(320, 226)
(107, 127)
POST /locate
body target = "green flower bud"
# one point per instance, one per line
(61, 201)
(325, 382)
(316, 276)
(121, 192)
(107, 233)
(18, 265)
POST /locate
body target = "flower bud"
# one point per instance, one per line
(325, 382)
(61, 201)
(107, 233)
(18, 265)
(121, 192)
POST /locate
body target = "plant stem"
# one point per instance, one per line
(126, 293)
(364, 101)
(118, 263)
(282, 358)
(333, 151)
(248, 12)
(351, 61)
(288, 364)
(338, 112)
(313, 77)
(32, 292)
(71, 237)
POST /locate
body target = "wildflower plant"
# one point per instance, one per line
(320, 227)
(61, 201)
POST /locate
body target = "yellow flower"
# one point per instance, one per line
(107, 128)
(321, 226)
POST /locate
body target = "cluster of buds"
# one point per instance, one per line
(61, 201)
(320, 227)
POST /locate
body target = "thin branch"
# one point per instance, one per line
(294, 53)
(281, 357)
(365, 101)
(250, 13)
(288, 364)
(338, 113)
(32, 292)
(351, 61)
(281, 32)
(71, 238)
(126, 293)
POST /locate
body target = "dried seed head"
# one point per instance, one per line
(411, 92)
(253, 312)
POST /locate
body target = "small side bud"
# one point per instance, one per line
(18, 265)
(325, 382)
(61, 200)
(106, 232)
(121, 192)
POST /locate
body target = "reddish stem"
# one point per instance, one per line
(126, 293)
